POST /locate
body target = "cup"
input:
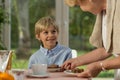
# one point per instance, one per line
(19, 74)
(39, 69)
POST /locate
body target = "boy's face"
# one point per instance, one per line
(48, 37)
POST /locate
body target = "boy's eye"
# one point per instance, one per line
(45, 32)
(54, 31)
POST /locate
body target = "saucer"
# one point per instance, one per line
(38, 76)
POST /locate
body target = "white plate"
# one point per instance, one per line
(53, 69)
(69, 72)
(39, 76)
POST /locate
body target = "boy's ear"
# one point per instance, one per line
(37, 36)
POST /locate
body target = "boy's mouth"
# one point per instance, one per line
(51, 39)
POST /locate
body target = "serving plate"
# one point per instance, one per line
(69, 72)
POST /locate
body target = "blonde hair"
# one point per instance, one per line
(45, 23)
(71, 3)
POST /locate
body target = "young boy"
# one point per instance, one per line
(50, 52)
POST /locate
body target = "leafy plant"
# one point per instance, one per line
(1, 15)
(2, 20)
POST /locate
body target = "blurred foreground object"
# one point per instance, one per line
(6, 76)
(5, 60)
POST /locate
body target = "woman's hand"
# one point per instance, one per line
(71, 63)
(92, 70)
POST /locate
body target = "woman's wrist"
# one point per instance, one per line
(102, 66)
(79, 61)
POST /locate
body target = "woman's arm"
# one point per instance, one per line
(93, 56)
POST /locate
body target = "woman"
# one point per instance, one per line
(105, 37)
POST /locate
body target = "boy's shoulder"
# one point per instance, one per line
(36, 52)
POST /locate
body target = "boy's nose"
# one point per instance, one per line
(51, 34)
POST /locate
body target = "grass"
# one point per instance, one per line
(23, 64)
(107, 74)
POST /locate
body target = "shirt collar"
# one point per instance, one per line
(54, 50)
